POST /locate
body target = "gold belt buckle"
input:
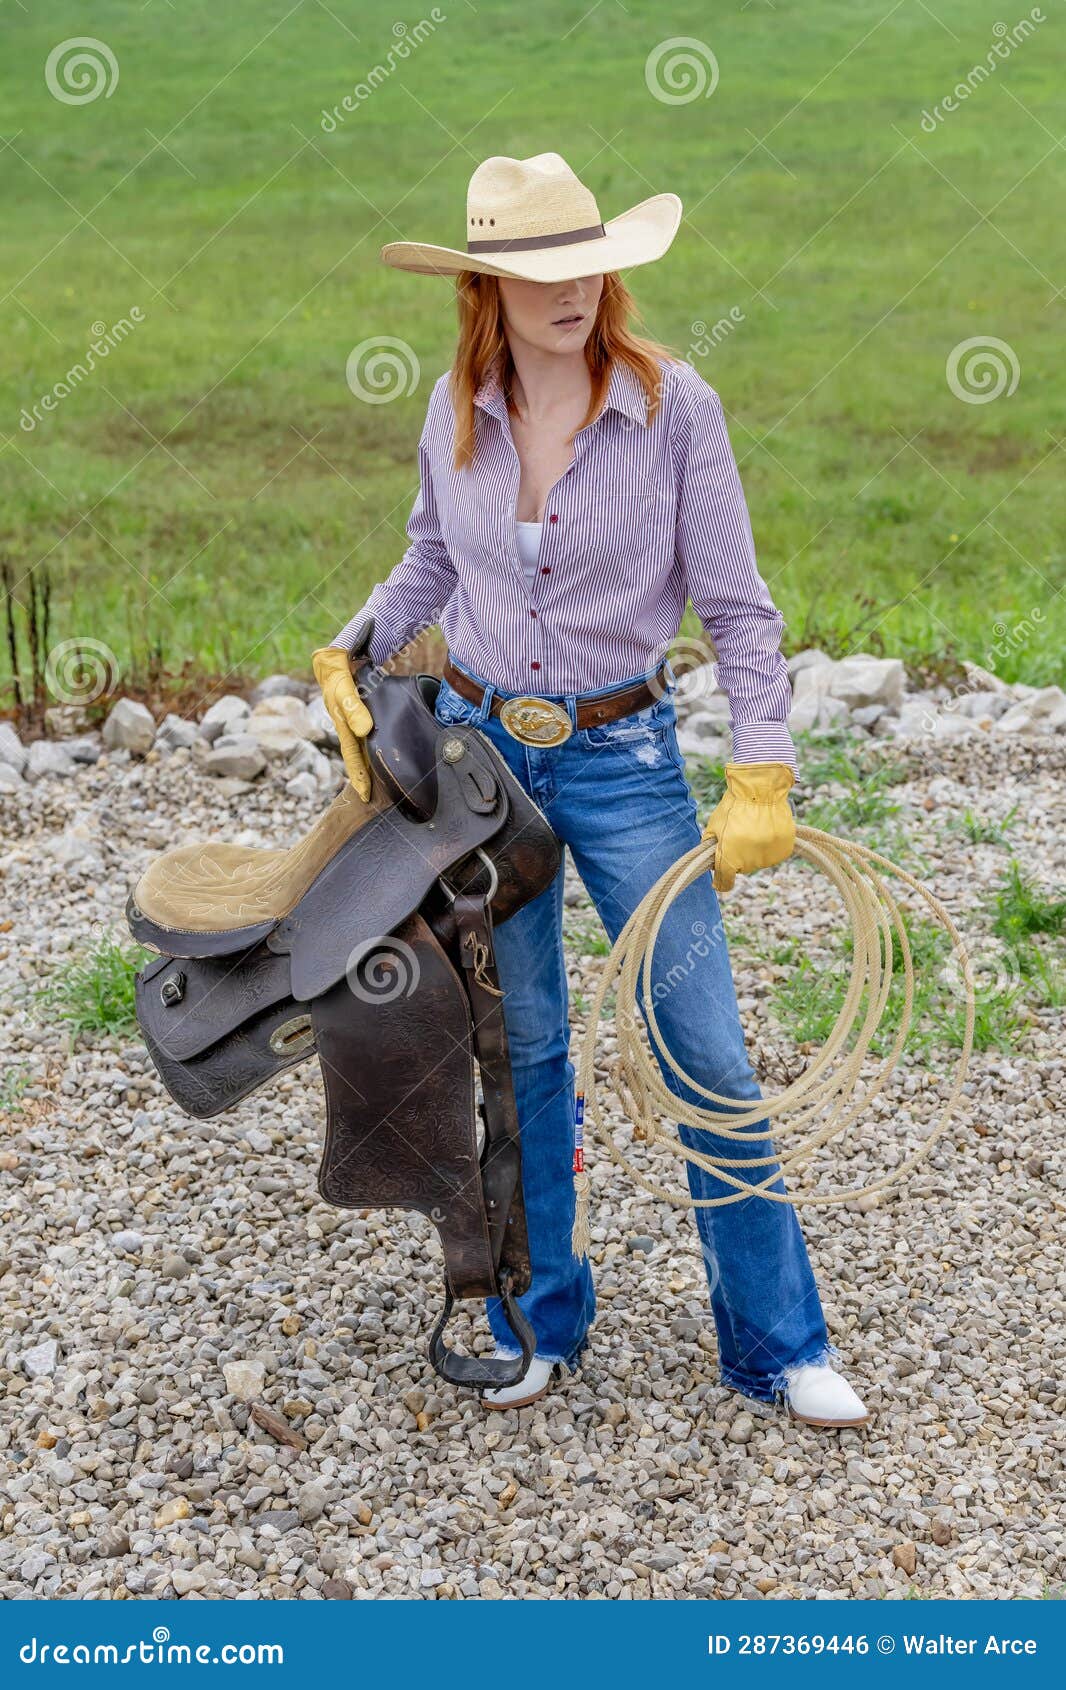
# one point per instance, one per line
(536, 721)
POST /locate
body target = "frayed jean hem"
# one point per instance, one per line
(773, 1388)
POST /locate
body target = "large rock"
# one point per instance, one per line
(12, 750)
(130, 727)
(174, 731)
(1044, 711)
(323, 731)
(983, 708)
(48, 757)
(806, 659)
(10, 779)
(282, 686)
(280, 724)
(861, 680)
(921, 720)
(224, 717)
(236, 755)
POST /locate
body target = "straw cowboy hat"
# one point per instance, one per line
(533, 219)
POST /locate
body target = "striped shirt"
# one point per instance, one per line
(646, 518)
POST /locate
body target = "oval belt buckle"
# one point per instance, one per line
(536, 721)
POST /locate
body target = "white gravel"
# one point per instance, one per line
(164, 1280)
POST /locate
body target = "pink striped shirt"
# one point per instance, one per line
(646, 518)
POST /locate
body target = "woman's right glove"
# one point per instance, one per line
(347, 712)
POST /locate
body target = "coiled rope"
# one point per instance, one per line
(643, 1095)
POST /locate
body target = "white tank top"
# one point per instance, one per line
(529, 548)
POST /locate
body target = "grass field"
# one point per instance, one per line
(213, 494)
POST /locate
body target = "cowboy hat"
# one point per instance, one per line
(533, 219)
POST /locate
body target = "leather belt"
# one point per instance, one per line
(541, 721)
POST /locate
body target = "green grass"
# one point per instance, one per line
(808, 1002)
(94, 993)
(215, 495)
(983, 830)
(13, 1085)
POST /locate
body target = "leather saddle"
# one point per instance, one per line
(370, 943)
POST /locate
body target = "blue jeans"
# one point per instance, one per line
(618, 798)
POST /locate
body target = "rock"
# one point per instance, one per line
(742, 1428)
(35, 1565)
(76, 844)
(860, 680)
(85, 748)
(919, 720)
(303, 786)
(46, 758)
(808, 658)
(185, 1579)
(661, 1560)
(311, 1500)
(236, 755)
(983, 680)
(226, 716)
(42, 1360)
(982, 706)
(1043, 712)
(322, 730)
(282, 1519)
(127, 1242)
(175, 1266)
(174, 731)
(905, 1557)
(337, 1590)
(244, 1379)
(129, 727)
(282, 686)
(940, 1532)
(178, 1508)
(10, 779)
(12, 750)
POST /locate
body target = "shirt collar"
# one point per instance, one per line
(625, 393)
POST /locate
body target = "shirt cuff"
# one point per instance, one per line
(764, 742)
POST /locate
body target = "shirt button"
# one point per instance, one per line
(553, 517)
(532, 613)
(534, 665)
(545, 569)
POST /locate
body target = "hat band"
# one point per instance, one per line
(532, 243)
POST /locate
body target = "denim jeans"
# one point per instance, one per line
(618, 798)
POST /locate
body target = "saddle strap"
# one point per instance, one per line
(501, 1159)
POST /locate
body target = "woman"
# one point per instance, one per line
(577, 489)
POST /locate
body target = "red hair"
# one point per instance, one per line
(482, 340)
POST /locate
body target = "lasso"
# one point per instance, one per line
(641, 1090)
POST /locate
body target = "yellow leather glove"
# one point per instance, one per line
(753, 824)
(347, 712)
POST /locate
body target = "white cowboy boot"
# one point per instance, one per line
(533, 1384)
(820, 1397)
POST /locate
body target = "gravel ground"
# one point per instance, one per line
(157, 1273)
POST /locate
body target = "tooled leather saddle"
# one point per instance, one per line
(370, 943)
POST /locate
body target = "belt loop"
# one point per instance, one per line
(570, 700)
(668, 666)
(484, 709)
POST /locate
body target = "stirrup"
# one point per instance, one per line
(494, 1372)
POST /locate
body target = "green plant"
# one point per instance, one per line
(95, 992)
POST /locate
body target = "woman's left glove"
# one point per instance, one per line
(753, 825)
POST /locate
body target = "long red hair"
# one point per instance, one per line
(482, 340)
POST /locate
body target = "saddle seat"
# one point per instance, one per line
(216, 887)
